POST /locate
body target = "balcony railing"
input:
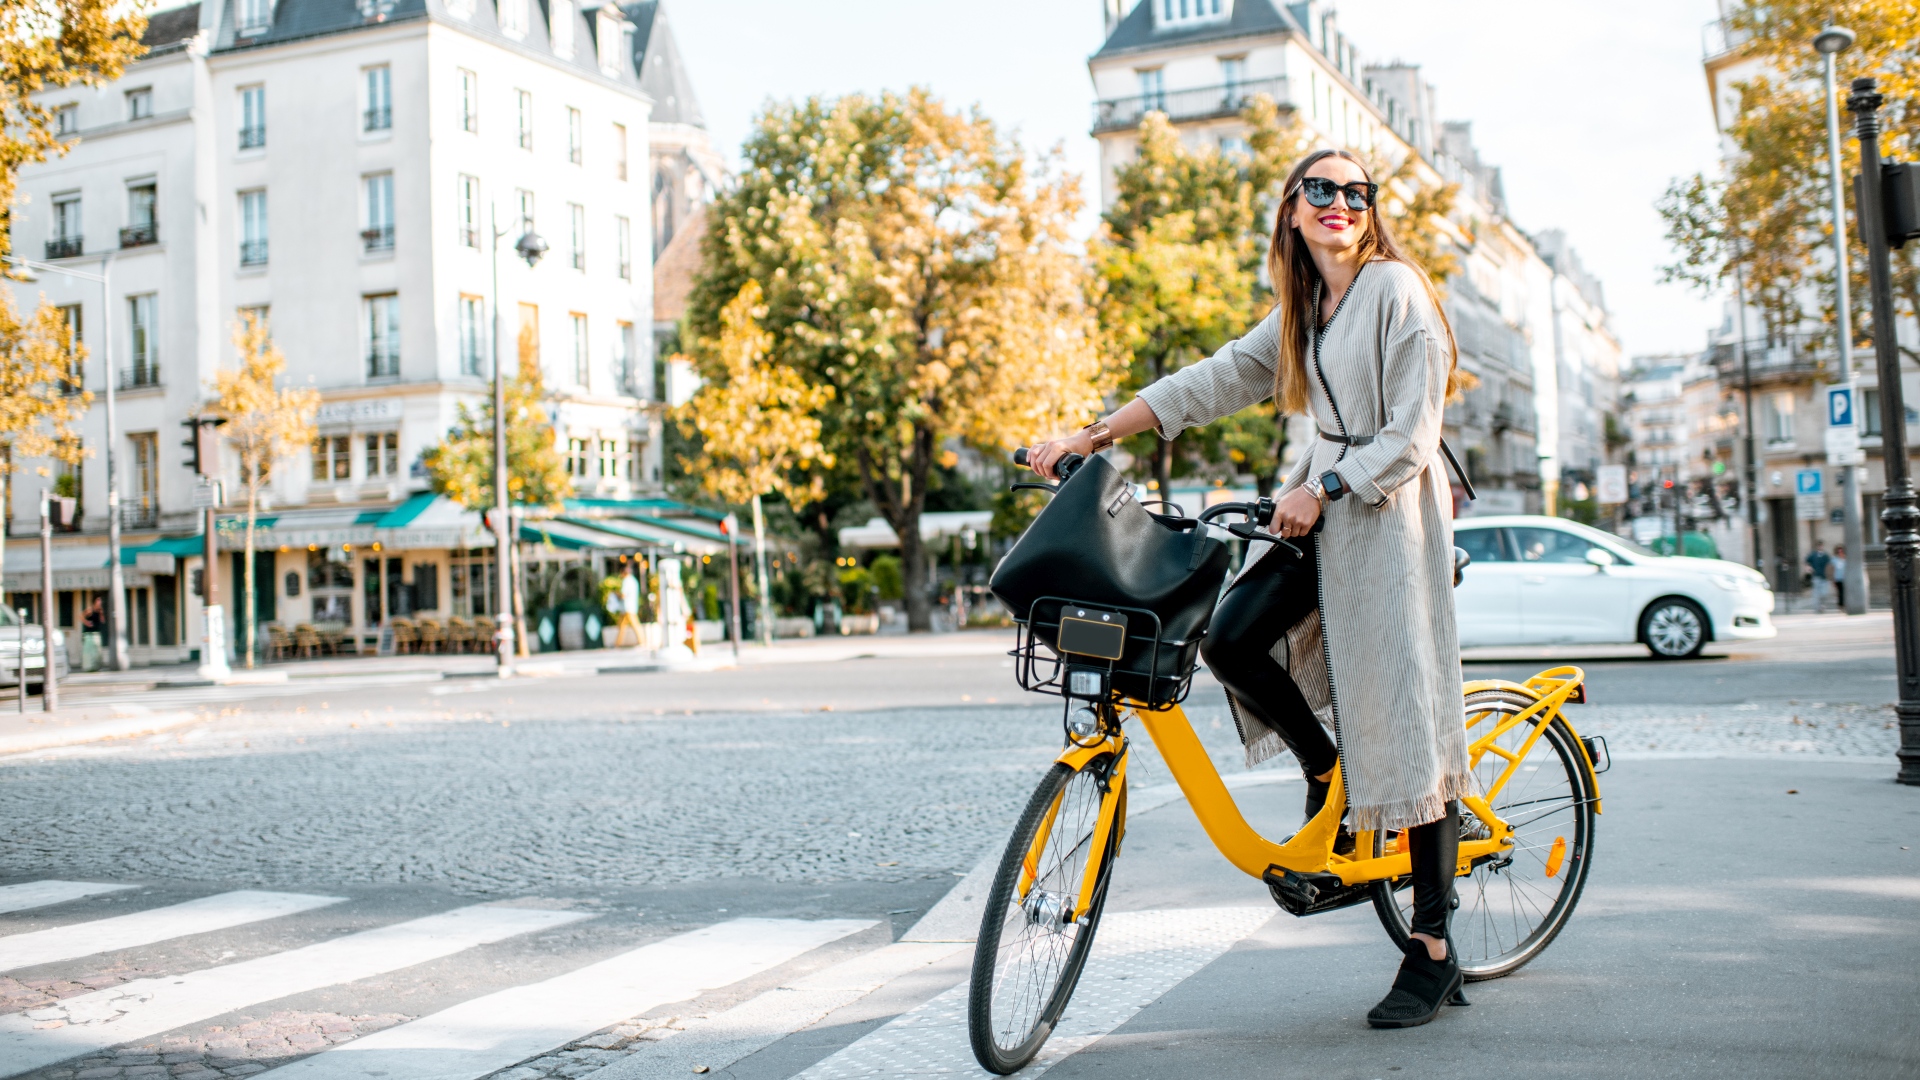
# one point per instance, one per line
(1202, 103)
(140, 376)
(66, 247)
(140, 235)
(1717, 38)
(253, 253)
(383, 363)
(377, 238)
(1791, 357)
(378, 119)
(141, 514)
(253, 138)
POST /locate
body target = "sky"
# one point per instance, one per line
(1589, 108)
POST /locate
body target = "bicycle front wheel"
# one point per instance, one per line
(1511, 905)
(1038, 926)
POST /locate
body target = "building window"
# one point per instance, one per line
(142, 227)
(330, 461)
(619, 151)
(143, 348)
(577, 216)
(253, 117)
(561, 28)
(623, 360)
(378, 235)
(66, 241)
(576, 153)
(142, 511)
(256, 16)
(524, 103)
(383, 454)
(1233, 72)
(529, 334)
(631, 461)
(470, 211)
(140, 103)
(1153, 88)
(76, 377)
(469, 101)
(66, 120)
(623, 242)
(524, 199)
(513, 17)
(379, 114)
(1182, 12)
(577, 452)
(253, 228)
(1779, 419)
(473, 315)
(609, 458)
(582, 368)
(383, 336)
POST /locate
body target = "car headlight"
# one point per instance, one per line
(34, 646)
(1729, 582)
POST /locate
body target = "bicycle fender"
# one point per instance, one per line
(1560, 676)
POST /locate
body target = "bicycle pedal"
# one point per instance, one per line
(1311, 894)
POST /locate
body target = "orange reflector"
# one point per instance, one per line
(1556, 856)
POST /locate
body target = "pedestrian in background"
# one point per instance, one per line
(1819, 570)
(1839, 571)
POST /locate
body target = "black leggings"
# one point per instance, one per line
(1266, 602)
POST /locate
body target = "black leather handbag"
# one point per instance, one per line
(1095, 549)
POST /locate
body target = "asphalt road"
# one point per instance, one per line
(1729, 927)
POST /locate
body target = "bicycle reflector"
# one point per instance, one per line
(1090, 683)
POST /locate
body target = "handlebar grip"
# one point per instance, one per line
(1063, 468)
(1020, 456)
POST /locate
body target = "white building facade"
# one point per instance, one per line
(344, 173)
(1524, 326)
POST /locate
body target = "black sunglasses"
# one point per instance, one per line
(1320, 191)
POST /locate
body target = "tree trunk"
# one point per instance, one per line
(519, 614)
(913, 557)
(253, 505)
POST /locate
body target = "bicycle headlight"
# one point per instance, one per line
(1088, 683)
(1083, 724)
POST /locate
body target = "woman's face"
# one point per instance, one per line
(1335, 227)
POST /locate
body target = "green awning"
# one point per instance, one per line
(645, 532)
(641, 508)
(573, 536)
(169, 545)
(403, 515)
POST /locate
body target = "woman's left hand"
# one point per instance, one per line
(1295, 514)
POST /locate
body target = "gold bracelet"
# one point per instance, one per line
(1102, 436)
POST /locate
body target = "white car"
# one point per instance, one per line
(1549, 581)
(12, 631)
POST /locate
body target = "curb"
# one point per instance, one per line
(93, 731)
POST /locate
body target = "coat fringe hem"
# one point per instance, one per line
(1264, 747)
(1406, 813)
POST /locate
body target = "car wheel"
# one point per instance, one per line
(1674, 629)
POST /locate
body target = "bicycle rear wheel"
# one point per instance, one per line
(1033, 945)
(1511, 905)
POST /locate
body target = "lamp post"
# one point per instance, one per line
(1829, 43)
(116, 578)
(530, 247)
(1900, 518)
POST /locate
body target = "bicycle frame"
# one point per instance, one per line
(1310, 851)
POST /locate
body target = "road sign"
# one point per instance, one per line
(1809, 498)
(1612, 482)
(1843, 428)
(208, 494)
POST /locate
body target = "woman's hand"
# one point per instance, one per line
(1295, 514)
(1042, 457)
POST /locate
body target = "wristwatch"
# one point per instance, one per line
(1332, 485)
(1102, 437)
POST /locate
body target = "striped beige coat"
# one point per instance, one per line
(1381, 663)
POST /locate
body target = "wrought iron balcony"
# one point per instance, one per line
(378, 119)
(383, 362)
(66, 247)
(140, 235)
(1788, 358)
(142, 375)
(253, 138)
(1201, 103)
(141, 513)
(377, 238)
(253, 253)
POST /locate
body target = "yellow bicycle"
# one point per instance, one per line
(1525, 840)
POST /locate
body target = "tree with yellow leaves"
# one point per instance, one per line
(918, 263)
(40, 403)
(264, 424)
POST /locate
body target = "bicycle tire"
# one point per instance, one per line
(1485, 952)
(1008, 1029)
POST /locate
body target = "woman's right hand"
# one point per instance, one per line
(1042, 457)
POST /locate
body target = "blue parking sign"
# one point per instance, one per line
(1840, 406)
(1806, 482)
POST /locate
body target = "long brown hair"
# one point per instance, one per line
(1290, 266)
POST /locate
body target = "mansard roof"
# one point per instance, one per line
(1136, 32)
(171, 29)
(663, 74)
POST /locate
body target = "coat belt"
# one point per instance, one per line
(1346, 440)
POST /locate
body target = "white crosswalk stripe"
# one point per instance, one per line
(489, 1033)
(145, 1007)
(200, 916)
(33, 894)
(1137, 957)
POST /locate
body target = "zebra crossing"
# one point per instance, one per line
(537, 1029)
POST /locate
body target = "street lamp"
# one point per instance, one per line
(116, 578)
(1829, 43)
(530, 247)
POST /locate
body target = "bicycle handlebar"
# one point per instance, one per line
(1066, 466)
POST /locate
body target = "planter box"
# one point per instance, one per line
(859, 624)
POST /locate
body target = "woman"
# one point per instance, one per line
(1365, 622)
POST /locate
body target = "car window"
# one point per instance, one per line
(1549, 546)
(1626, 542)
(1482, 544)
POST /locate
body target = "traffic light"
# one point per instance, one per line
(1900, 199)
(194, 424)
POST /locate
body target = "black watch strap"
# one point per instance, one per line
(1331, 483)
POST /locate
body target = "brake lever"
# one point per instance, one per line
(1247, 530)
(1033, 484)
